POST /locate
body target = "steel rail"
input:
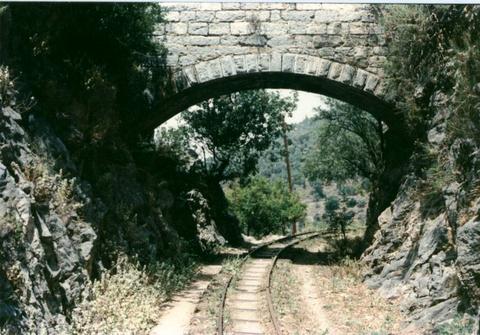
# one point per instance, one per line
(220, 318)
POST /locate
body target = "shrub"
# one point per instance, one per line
(127, 299)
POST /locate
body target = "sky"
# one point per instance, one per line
(306, 103)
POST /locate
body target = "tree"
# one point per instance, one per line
(337, 215)
(231, 131)
(88, 65)
(263, 206)
(349, 145)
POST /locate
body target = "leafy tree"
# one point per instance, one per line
(349, 145)
(231, 131)
(337, 215)
(90, 66)
(265, 207)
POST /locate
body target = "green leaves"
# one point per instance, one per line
(348, 145)
(265, 207)
(233, 129)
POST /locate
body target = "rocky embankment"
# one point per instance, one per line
(426, 250)
(59, 231)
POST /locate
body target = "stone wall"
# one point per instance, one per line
(346, 34)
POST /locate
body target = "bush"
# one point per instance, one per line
(332, 204)
(128, 298)
(265, 207)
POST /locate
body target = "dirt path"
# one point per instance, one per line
(312, 301)
(178, 312)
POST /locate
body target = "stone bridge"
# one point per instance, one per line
(218, 48)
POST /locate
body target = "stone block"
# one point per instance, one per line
(288, 63)
(228, 66)
(251, 63)
(347, 74)
(370, 83)
(210, 6)
(239, 63)
(264, 62)
(172, 16)
(186, 60)
(203, 40)
(276, 62)
(323, 66)
(230, 5)
(261, 15)
(335, 28)
(250, 5)
(253, 40)
(334, 71)
(326, 16)
(203, 72)
(279, 41)
(241, 28)
(297, 27)
(300, 64)
(195, 28)
(274, 28)
(205, 16)
(359, 28)
(220, 28)
(187, 16)
(275, 15)
(179, 28)
(215, 69)
(229, 39)
(311, 65)
(321, 41)
(298, 15)
(230, 15)
(316, 28)
(360, 78)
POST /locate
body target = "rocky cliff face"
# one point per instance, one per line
(58, 231)
(425, 252)
(47, 230)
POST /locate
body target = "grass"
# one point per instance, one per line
(128, 298)
(355, 308)
(460, 325)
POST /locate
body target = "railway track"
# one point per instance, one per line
(245, 293)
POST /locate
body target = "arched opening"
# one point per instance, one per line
(343, 91)
(347, 89)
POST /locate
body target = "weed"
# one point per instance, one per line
(128, 298)
(459, 325)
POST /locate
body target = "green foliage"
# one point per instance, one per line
(332, 204)
(302, 138)
(128, 298)
(87, 64)
(264, 207)
(318, 191)
(460, 325)
(231, 131)
(434, 48)
(349, 145)
(337, 214)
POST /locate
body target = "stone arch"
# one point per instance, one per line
(198, 82)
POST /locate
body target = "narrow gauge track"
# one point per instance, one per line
(244, 298)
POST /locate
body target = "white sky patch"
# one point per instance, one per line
(305, 105)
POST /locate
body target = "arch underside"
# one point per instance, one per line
(275, 80)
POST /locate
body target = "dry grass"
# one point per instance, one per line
(127, 300)
(351, 306)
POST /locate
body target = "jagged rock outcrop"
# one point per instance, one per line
(47, 248)
(425, 252)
